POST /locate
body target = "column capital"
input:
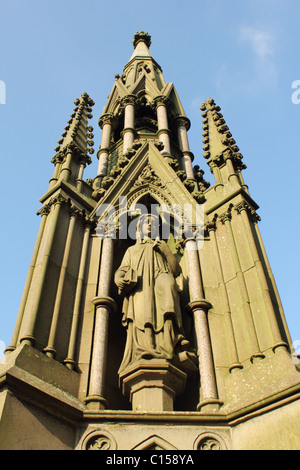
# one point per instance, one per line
(182, 121)
(59, 199)
(44, 210)
(226, 216)
(107, 118)
(244, 206)
(128, 99)
(75, 211)
(161, 100)
(58, 158)
(89, 223)
(211, 226)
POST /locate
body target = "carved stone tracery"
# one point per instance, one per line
(209, 444)
(99, 443)
(99, 440)
(209, 441)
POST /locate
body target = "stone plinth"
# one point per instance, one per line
(152, 384)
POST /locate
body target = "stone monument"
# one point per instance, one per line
(150, 318)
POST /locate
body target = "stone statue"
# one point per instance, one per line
(151, 307)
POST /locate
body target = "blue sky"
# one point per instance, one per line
(244, 54)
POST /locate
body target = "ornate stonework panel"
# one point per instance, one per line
(209, 441)
(99, 440)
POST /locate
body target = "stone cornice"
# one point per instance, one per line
(227, 215)
(87, 203)
(62, 403)
(230, 197)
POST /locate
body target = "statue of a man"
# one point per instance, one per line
(151, 307)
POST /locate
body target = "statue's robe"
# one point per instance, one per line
(151, 310)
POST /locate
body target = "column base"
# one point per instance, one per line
(152, 384)
(95, 403)
(209, 405)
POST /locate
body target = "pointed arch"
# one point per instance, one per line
(154, 442)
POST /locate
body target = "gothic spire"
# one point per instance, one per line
(142, 105)
(77, 133)
(218, 143)
(142, 77)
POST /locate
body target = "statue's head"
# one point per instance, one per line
(148, 226)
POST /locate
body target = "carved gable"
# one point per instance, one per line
(154, 443)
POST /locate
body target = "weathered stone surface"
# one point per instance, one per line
(244, 392)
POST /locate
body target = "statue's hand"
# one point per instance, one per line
(125, 287)
(161, 246)
(127, 283)
(174, 266)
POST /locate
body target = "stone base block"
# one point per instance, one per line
(152, 384)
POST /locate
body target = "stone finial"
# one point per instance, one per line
(141, 36)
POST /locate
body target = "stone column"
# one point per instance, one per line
(104, 306)
(50, 348)
(199, 307)
(79, 179)
(241, 178)
(243, 208)
(183, 124)
(57, 162)
(44, 211)
(128, 131)
(28, 330)
(232, 175)
(215, 170)
(66, 165)
(105, 122)
(162, 123)
(70, 359)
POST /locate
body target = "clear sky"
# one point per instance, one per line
(244, 54)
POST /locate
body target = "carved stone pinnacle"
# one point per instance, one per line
(141, 36)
